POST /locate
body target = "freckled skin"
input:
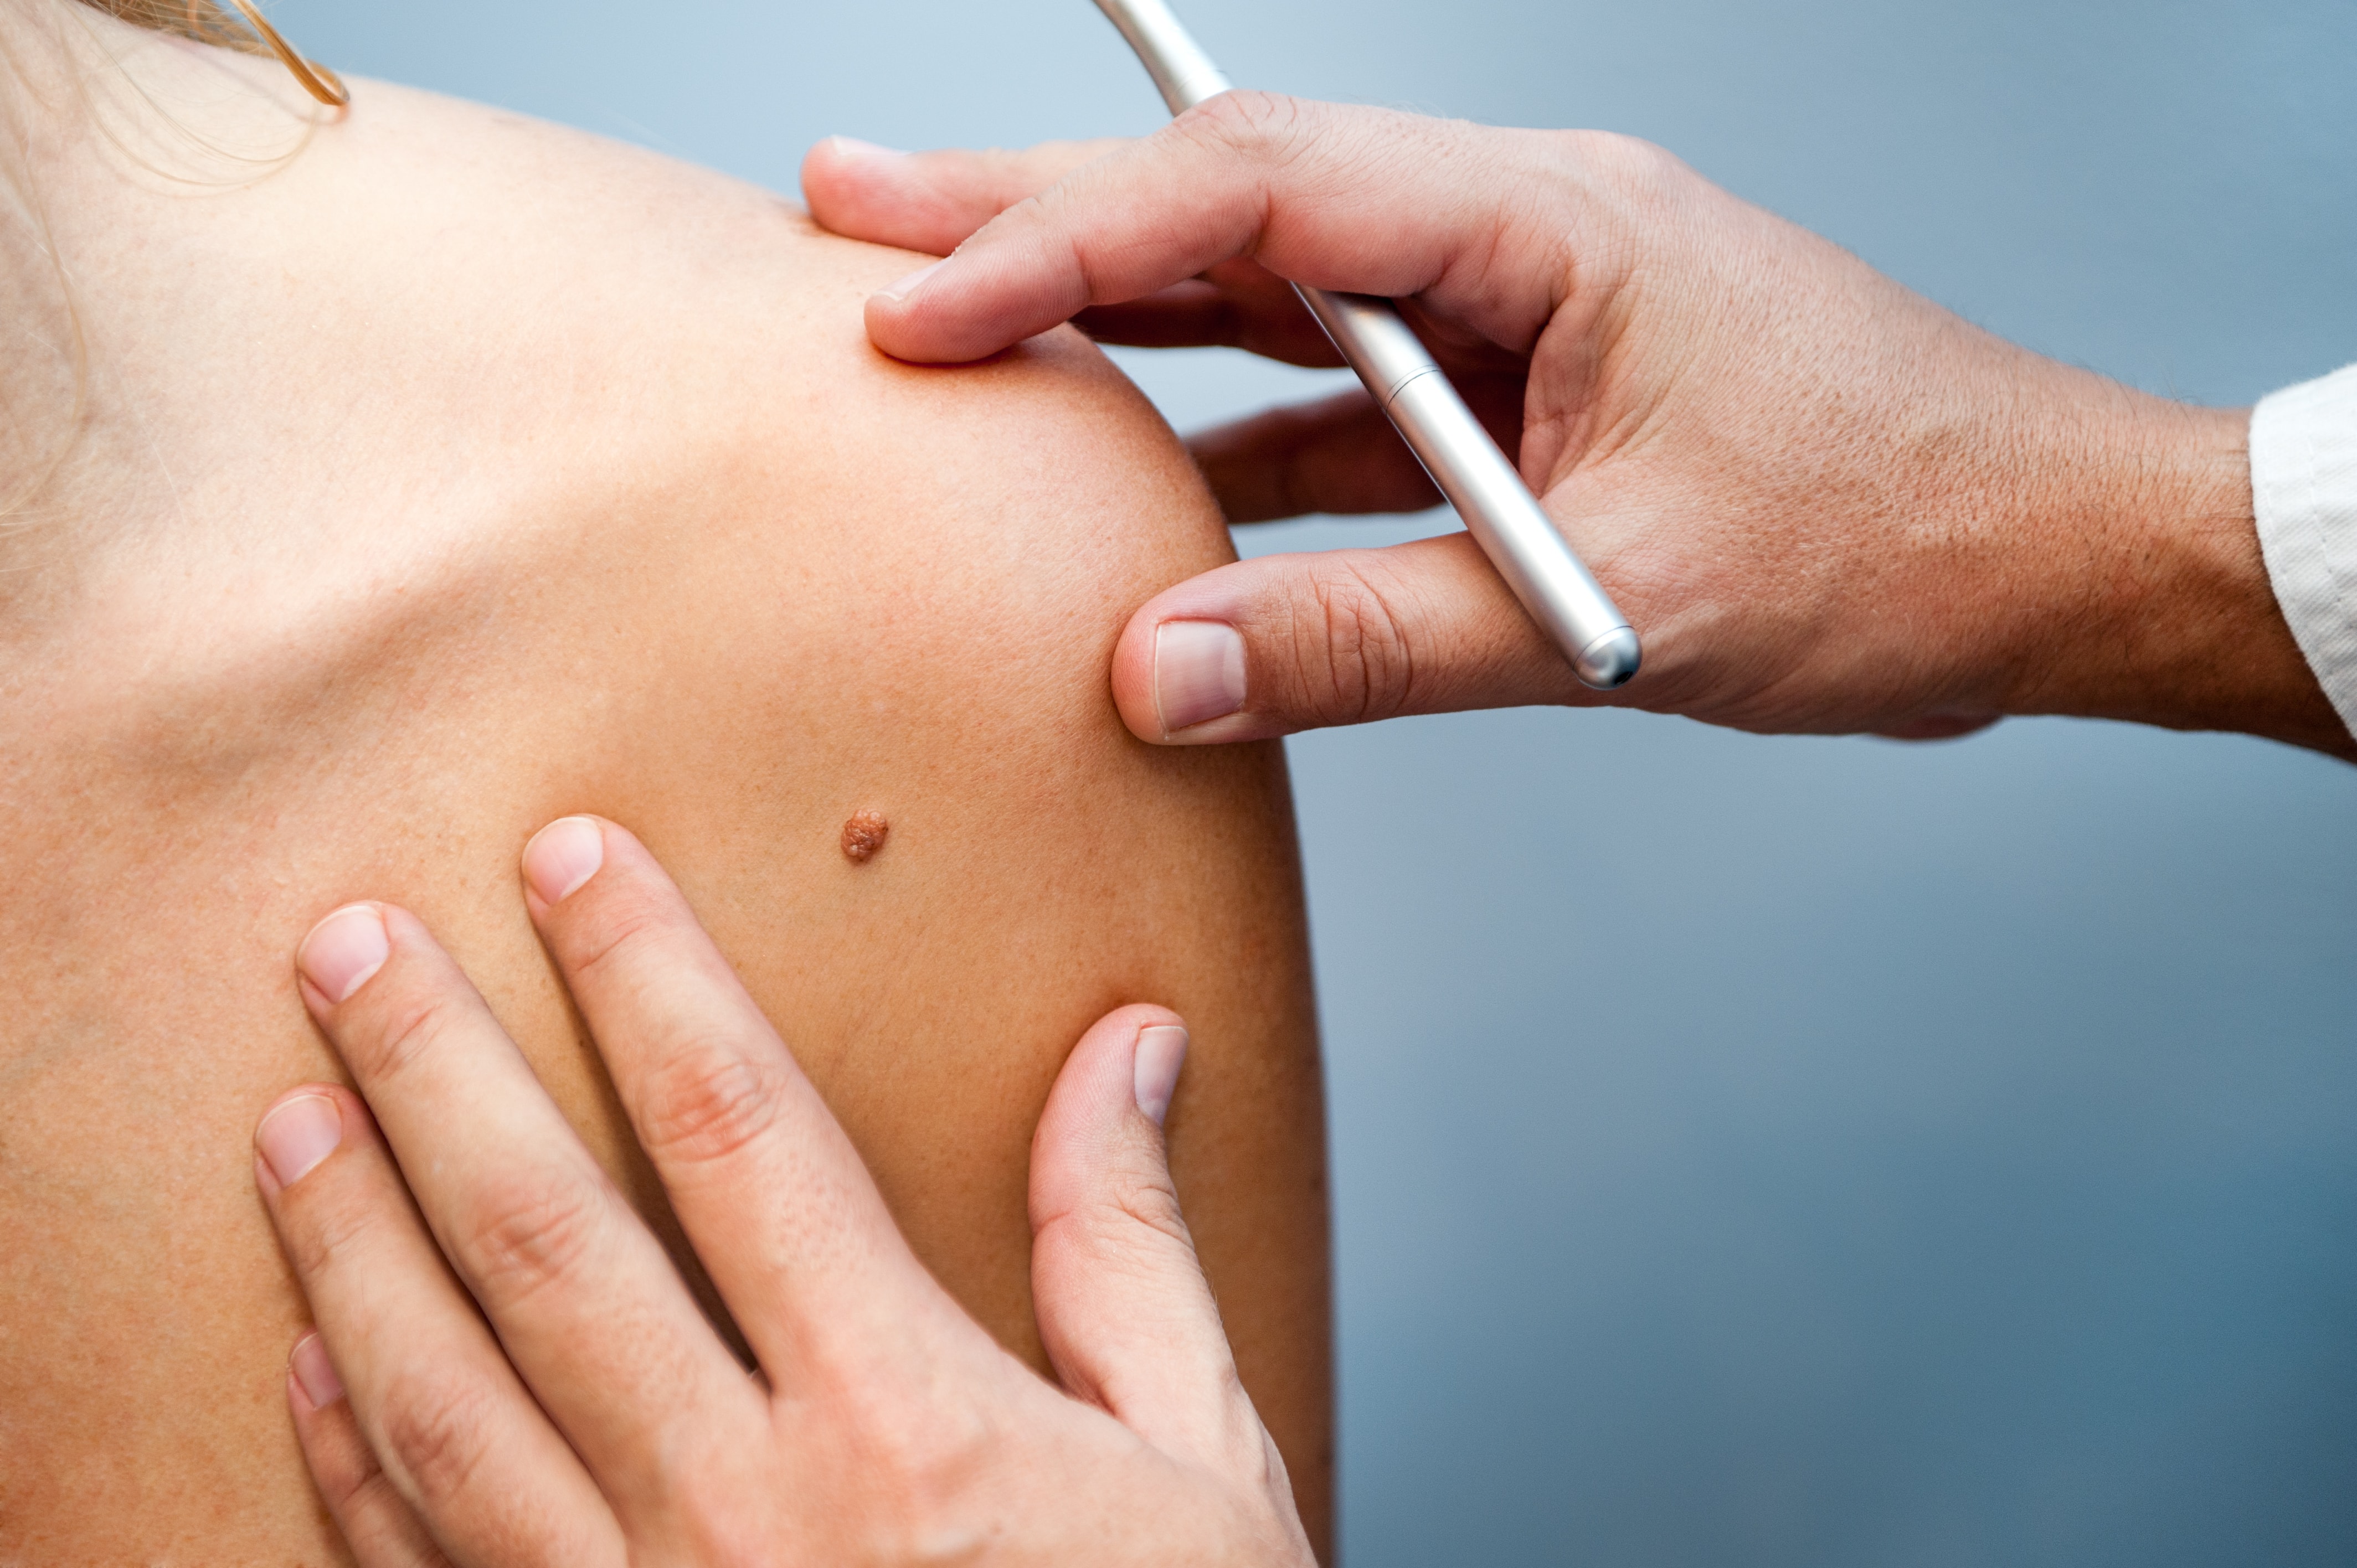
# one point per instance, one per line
(863, 835)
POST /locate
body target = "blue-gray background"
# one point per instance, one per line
(1837, 1152)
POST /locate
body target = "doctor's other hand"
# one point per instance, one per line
(507, 1369)
(1826, 504)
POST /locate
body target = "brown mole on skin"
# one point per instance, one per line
(863, 835)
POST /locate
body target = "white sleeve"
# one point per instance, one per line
(2303, 489)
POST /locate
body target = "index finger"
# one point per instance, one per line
(768, 1187)
(934, 202)
(1487, 226)
(930, 202)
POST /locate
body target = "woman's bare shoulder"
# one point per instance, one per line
(466, 472)
(460, 331)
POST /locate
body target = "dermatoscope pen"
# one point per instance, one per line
(1499, 509)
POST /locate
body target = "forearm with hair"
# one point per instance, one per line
(2144, 508)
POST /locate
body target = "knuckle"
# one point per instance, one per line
(1144, 1210)
(909, 1423)
(1645, 175)
(323, 1226)
(726, 1534)
(1352, 645)
(628, 922)
(895, 1443)
(1248, 1452)
(1041, 164)
(1129, 1227)
(438, 1427)
(349, 1494)
(1649, 163)
(1156, 1208)
(1246, 122)
(917, 1449)
(705, 1100)
(1008, 176)
(408, 1028)
(528, 1234)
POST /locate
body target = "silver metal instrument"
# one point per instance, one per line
(1499, 509)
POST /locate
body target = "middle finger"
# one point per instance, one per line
(766, 1185)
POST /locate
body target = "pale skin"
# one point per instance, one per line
(1830, 506)
(438, 475)
(598, 1418)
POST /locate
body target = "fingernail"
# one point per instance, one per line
(297, 1134)
(343, 950)
(1161, 1051)
(1199, 673)
(563, 855)
(910, 285)
(312, 1368)
(860, 149)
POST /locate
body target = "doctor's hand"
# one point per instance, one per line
(508, 1370)
(1826, 504)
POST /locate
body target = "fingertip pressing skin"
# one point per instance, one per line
(1199, 673)
(899, 291)
(576, 1318)
(1133, 675)
(563, 855)
(313, 1373)
(1181, 671)
(852, 186)
(1161, 1051)
(1129, 1059)
(343, 950)
(927, 202)
(298, 1132)
(1281, 643)
(853, 147)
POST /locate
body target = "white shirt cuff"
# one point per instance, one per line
(2304, 489)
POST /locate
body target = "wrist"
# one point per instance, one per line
(2159, 608)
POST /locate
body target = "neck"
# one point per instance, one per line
(118, 147)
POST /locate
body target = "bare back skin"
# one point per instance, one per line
(453, 472)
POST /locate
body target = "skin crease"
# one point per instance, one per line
(459, 472)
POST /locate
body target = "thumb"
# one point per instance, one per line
(1293, 643)
(1123, 1310)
